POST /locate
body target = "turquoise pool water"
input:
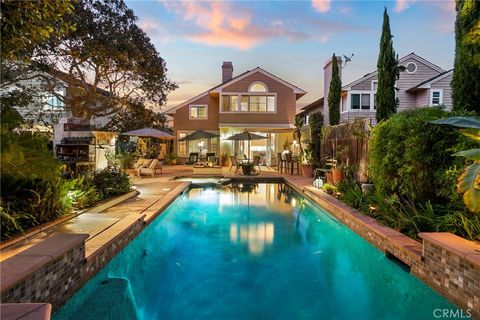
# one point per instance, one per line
(250, 252)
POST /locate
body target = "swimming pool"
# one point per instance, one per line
(250, 251)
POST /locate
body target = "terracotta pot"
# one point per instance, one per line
(337, 175)
(329, 177)
(307, 170)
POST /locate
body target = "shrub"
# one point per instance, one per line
(111, 181)
(316, 124)
(413, 158)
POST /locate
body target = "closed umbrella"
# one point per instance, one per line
(246, 136)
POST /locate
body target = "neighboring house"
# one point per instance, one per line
(421, 84)
(255, 100)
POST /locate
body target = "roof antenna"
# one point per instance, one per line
(347, 60)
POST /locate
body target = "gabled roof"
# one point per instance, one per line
(317, 104)
(401, 60)
(218, 88)
(426, 84)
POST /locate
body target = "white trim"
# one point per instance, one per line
(183, 104)
(257, 82)
(196, 106)
(428, 84)
(372, 87)
(430, 103)
(265, 73)
(360, 92)
(411, 72)
(239, 94)
(401, 60)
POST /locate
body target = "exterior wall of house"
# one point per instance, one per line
(285, 102)
(422, 97)
(358, 114)
(444, 84)
(365, 84)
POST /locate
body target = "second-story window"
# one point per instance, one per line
(198, 112)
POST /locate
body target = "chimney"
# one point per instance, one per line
(227, 71)
(327, 78)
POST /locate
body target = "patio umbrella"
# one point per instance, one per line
(149, 132)
(199, 134)
(246, 136)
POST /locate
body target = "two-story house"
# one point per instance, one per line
(255, 100)
(421, 84)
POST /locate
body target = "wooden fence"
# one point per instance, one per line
(348, 143)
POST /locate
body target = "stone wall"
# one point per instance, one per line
(447, 263)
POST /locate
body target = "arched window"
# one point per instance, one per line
(257, 87)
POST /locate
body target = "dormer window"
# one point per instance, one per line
(257, 87)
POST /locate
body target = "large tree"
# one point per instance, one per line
(107, 63)
(388, 72)
(334, 94)
(136, 116)
(315, 122)
(466, 73)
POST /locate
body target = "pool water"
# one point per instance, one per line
(251, 251)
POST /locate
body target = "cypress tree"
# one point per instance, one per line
(334, 94)
(466, 73)
(388, 73)
(316, 124)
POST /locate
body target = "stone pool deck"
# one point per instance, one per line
(445, 262)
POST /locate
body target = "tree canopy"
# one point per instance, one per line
(334, 94)
(388, 73)
(466, 72)
(107, 62)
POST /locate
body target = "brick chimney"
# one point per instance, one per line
(327, 78)
(227, 71)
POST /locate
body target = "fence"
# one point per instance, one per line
(348, 143)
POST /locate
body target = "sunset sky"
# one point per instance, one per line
(291, 39)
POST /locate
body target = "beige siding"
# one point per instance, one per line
(422, 97)
(409, 80)
(447, 91)
(286, 102)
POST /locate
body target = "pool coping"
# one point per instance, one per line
(100, 249)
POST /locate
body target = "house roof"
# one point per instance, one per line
(219, 87)
(312, 106)
(401, 60)
(426, 84)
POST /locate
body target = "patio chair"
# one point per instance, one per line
(256, 162)
(141, 163)
(327, 165)
(291, 162)
(138, 163)
(211, 157)
(234, 163)
(281, 163)
(154, 167)
(192, 158)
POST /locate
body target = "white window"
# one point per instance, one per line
(257, 87)
(436, 97)
(355, 101)
(229, 103)
(374, 85)
(198, 112)
(52, 102)
(182, 145)
(365, 101)
(248, 102)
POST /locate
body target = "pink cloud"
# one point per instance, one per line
(219, 24)
(321, 5)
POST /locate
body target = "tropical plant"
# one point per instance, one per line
(466, 72)
(388, 72)
(171, 158)
(111, 181)
(316, 125)
(469, 181)
(334, 94)
(306, 155)
(328, 188)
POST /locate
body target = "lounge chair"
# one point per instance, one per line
(141, 163)
(234, 163)
(256, 162)
(192, 158)
(154, 168)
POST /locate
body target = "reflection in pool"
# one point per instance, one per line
(250, 251)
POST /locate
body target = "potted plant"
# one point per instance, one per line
(307, 159)
(171, 159)
(342, 159)
(224, 159)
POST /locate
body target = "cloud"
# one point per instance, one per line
(219, 24)
(321, 5)
(402, 5)
(447, 6)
